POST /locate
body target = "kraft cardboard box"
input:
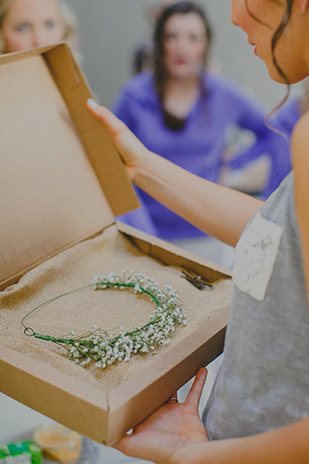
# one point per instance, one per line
(62, 183)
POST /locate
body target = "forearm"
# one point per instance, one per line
(217, 210)
(287, 445)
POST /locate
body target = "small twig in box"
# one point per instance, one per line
(196, 280)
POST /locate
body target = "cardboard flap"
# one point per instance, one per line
(97, 142)
(50, 195)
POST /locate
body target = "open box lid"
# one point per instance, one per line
(61, 178)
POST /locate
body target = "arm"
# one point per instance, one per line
(216, 210)
(300, 155)
(287, 445)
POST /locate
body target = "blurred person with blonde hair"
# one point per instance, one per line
(26, 24)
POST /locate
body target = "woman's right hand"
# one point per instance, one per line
(132, 151)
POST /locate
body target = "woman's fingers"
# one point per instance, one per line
(196, 390)
(130, 148)
(174, 397)
(110, 121)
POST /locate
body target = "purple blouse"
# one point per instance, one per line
(277, 146)
(198, 147)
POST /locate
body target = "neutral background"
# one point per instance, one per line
(110, 30)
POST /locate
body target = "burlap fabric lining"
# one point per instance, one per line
(75, 267)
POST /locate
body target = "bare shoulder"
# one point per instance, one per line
(300, 143)
(300, 160)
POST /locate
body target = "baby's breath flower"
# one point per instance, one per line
(104, 348)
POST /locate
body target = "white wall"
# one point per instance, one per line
(18, 421)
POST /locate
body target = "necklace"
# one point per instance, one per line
(105, 347)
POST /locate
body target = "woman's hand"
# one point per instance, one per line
(171, 428)
(132, 151)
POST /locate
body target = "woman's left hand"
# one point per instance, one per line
(169, 429)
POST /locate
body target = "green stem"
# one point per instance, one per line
(32, 333)
(53, 299)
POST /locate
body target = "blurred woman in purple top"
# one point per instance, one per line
(184, 113)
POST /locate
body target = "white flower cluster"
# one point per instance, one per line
(105, 348)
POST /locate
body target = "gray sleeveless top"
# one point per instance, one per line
(263, 382)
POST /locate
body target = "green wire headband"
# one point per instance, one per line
(105, 348)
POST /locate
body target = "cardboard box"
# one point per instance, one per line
(62, 183)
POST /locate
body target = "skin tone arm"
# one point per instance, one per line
(286, 445)
(300, 144)
(217, 210)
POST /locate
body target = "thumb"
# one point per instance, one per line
(196, 390)
(110, 121)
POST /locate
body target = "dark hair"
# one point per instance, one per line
(171, 121)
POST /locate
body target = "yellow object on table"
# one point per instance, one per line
(59, 443)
